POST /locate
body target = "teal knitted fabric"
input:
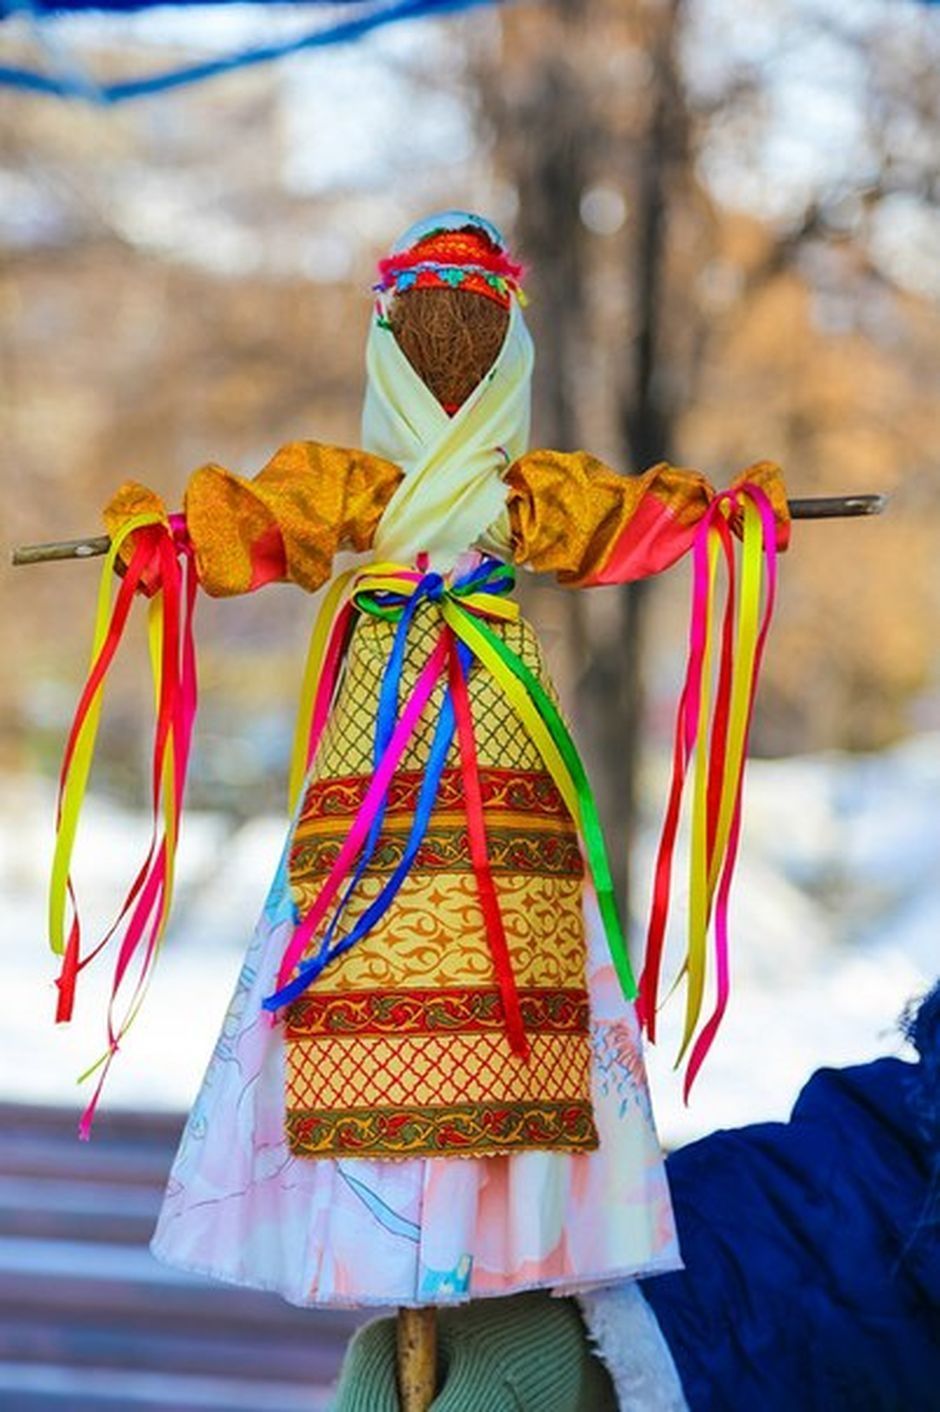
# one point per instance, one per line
(527, 1353)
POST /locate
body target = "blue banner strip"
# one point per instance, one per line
(344, 32)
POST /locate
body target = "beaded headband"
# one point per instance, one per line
(453, 250)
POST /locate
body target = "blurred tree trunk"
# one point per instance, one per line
(539, 114)
(649, 403)
(550, 176)
(542, 105)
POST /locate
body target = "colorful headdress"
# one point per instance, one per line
(452, 250)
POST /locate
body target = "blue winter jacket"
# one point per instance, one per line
(812, 1249)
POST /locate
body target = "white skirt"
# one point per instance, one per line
(363, 1231)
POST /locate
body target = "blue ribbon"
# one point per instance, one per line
(489, 577)
(429, 587)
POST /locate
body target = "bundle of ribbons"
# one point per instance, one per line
(712, 727)
(162, 565)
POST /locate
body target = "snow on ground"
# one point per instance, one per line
(836, 921)
(221, 881)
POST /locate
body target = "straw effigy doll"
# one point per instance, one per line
(429, 1084)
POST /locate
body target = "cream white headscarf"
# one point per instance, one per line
(452, 497)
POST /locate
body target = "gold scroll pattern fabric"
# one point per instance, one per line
(399, 1048)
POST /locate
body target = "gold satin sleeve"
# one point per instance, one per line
(769, 476)
(129, 500)
(315, 499)
(308, 502)
(568, 510)
(572, 515)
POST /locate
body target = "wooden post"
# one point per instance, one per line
(416, 1339)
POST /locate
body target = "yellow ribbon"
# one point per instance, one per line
(704, 873)
(75, 783)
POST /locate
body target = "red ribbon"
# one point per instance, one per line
(686, 733)
(476, 829)
(154, 561)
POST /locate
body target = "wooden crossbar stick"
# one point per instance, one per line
(62, 549)
(836, 507)
(820, 507)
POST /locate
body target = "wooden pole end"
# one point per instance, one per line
(416, 1340)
